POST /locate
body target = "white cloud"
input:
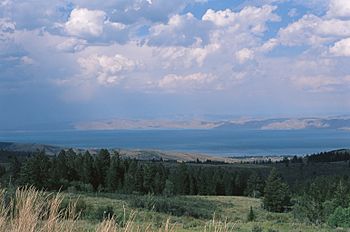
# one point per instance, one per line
(339, 8)
(320, 83)
(195, 81)
(341, 48)
(313, 30)
(72, 45)
(249, 18)
(269, 45)
(244, 55)
(7, 28)
(83, 22)
(183, 30)
(185, 57)
(94, 25)
(108, 70)
(27, 60)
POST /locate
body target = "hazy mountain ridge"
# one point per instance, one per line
(123, 124)
(341, 123)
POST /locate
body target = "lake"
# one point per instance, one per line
(214, 142)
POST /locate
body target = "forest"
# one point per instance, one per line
(314, 189)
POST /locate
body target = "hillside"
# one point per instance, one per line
(133, 154)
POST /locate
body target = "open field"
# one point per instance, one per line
(200, 211)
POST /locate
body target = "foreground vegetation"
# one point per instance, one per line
(30, 210)
(297, 194)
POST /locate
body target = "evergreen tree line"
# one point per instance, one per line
(319, 200)
(108, 172)
(314, 199)
(330, 156)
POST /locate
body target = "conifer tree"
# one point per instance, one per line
(112, 175)
(255, 186)
(86, 173)
(36, 171)
(277, 195)
(251, 215)
(102, 163)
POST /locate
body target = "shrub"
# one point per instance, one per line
(79, 205)
(340, 218)
(257, 228)
(174, 206)
(104, 212)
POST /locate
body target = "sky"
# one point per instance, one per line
(67, 61)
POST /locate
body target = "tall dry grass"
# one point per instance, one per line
(30, 210)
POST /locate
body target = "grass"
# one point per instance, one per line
(229, 214)
(30, 210)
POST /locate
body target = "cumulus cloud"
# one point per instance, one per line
(244, 55)
(84, 22)
(195, 81)
(341, 48)
(94, 24)
(313, 30)
(108, 70)
(185, 57)
(339, 8)
(72, 45)
(184, 30)
(251, 18)
(217, 51)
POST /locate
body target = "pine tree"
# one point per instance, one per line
(277, 195)
(112, 175)
(139, 179)
(251, 215)
(182, 184)
(86, 168)
(71, 162)
(35, 171)
(14, 168)
(129, 176)
(255, 186)
(101, 165)
(62, 165)
(148, 178)
(341, 198)
(169, 188)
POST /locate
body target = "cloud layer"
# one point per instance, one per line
(259, 54)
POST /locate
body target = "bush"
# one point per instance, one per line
(257, 228)
(80, 206)
(340, 218)
(176, 206)
(104, 212)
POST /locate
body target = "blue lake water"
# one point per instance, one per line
(214, 142)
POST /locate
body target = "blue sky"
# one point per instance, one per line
(69, 61)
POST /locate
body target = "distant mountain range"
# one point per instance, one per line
(339, 123)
